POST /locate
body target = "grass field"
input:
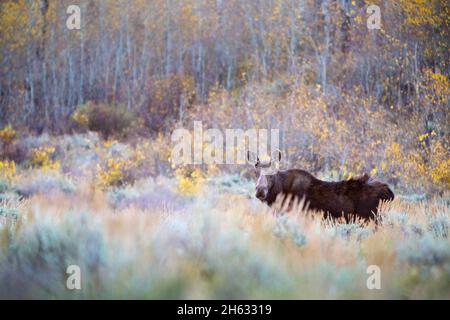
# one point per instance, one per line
(149, 240)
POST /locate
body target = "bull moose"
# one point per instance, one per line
(355, 198)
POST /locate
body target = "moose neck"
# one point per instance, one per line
(276, 189)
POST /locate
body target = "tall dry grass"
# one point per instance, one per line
(218, 244)
(151, 234)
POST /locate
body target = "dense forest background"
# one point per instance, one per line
(345, 96)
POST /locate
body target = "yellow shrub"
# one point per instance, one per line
(142, 160)
(116, 173)
(41, 158)
(80, 117)
(7, 134)
(140, 153)
(108, 143)
(441, 174)
(189, 184)
(440, 159)
(396, 159)
(7, 170)
(431, 168)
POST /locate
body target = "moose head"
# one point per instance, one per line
(266, 173)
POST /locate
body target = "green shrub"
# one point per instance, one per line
(4, 186)
(34, 263)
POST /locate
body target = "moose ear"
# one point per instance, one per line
(276, 155)
(252, 158)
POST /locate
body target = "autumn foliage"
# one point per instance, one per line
(347, 99)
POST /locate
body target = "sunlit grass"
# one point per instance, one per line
(218, 246)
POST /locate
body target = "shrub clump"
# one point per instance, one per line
(439, 226)
(189, 182)
(7, 135)
(40, 182)
(7, 170)
(146, 195)
(116, 173)
(426, 251)
(44, 159)
(34, 264)
(285, 228)
(106, 120)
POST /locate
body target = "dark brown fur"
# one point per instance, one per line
(358, 197)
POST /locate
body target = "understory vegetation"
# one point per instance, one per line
(137, 234)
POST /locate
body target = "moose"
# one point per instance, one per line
(354, 198)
